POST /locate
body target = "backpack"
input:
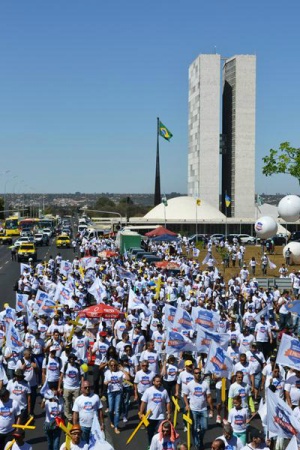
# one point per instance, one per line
(77, 366)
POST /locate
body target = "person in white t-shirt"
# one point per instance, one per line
(197, 397)
(84, 408)
(70, 379)
(155, 399)
(18, 442)
(76, 440)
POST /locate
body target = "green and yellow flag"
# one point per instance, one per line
(164, 132)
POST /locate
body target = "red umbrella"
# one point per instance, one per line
(159, 231)
(101, 310)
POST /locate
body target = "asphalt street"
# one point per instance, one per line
(9, 273)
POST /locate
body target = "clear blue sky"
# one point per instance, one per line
(82, 82)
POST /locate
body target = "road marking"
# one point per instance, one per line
(6, 262)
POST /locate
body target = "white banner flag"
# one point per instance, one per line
(170, 312)
(98, 290)
(65, 267)
(183, 320)
(207, 319)
(280, 418)
(135, 303)
(177, 343)
(21, 302)
(289, 352)
(218, 362)
(204, 338)
(97, 438)
(13, 340)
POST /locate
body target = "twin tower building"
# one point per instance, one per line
(221, 157)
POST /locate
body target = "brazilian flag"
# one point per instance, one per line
(164, 132)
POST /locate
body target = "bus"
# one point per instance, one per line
(11, 225)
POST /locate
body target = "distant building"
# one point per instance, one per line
(211, 176)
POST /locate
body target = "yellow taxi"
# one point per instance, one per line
(26, 251)
(63, 241)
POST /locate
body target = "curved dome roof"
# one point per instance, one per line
(184, 208)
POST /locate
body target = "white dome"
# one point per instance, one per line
(185, 208)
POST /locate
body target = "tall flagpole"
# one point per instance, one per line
(157, 194)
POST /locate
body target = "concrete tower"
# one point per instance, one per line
(204, 128)
(237, 122)
(238, 119)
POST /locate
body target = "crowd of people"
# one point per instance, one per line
(131, 365)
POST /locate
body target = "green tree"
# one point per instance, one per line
(103, 203)
(284, 160)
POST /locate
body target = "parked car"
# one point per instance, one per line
(41, 239)
(246, 239)
(217, 238)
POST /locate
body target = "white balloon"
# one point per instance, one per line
(295, 249)
(265, 227)
(289, 208)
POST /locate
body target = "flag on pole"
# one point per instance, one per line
(135, 303)
(98, 290)
(21, 302)
(97, 438)
(13, 340)
(177, 343)
(280, 417)
(204, 338)
(227, 201)
(170, 312)
(182, 320)
(206, 318)
(164, 132)
(164, 200)
(218, 362)
(289, 352)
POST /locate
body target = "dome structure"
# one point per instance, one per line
(185, 209)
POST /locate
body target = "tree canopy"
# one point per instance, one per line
(284, 160)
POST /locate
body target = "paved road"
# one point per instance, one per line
(9, 272)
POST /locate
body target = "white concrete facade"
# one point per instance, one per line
(204, 129)
(239, 105)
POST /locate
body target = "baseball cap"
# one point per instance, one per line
(52, 348)
(19, 373)
(188, 363)
(103, 333)
(257, 433)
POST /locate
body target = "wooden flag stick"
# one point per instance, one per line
(177, 409)
(144, 421)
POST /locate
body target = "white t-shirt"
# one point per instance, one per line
(156, 400)
(115, 380)
(184, 378)
(262, 332)
(152, 359)
(71, 377)
(292, 385)
(100, 349)
(18, 392)
(243, 390)
(234, 443)
(143, 380)
(238, 419)
(9, 411)
(197, 393)
(86, 405)
(52, 367)
(53, 409)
